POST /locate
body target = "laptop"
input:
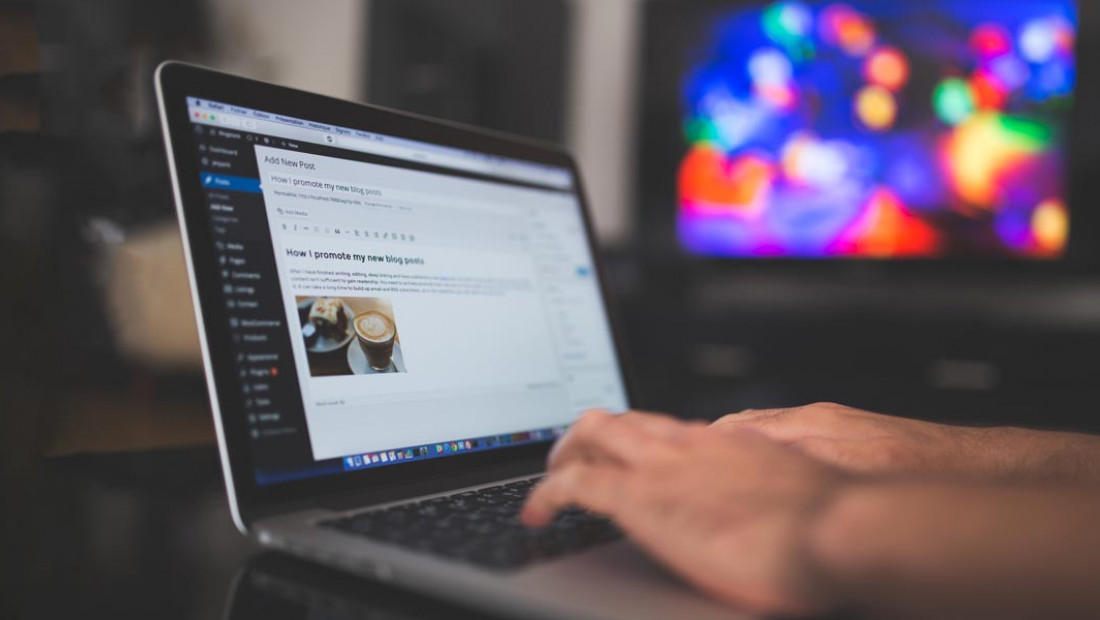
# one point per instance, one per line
(398, 316)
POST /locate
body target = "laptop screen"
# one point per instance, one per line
(393, 301)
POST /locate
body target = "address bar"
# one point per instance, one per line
(413, 154)
(448, 161)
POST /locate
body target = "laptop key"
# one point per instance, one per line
(480, 527)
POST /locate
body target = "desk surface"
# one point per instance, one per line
(148, 535)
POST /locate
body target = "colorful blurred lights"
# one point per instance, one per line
(1054, 79)
(809, 161)
(771, 73)
(1010, 71)
(886, 229)
(843, 26)
(770, 67)
(876, 108)
(782, 98)
(985, 149)
(785, 22)
(888, 68)
(796, 18)
(791, 153)
(710, 181)
(953, 101)
(1050, 226)
(990, 41)
(1039, 40)
(988, 92)
(732, 122)
(1066, 38)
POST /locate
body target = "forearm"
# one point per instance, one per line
(869, 443)
(938, 550)
(1026, 455)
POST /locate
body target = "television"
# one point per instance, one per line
(908, 131)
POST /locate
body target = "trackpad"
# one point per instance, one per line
(622, 581)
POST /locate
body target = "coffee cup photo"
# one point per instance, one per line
(365, 329)
(376, 334)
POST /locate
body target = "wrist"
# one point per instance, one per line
(858, 544)
(993, 453)
(838, 545)
(1018, 454)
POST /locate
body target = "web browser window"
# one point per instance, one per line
(393, 300)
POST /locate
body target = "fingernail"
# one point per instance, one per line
(553, 451)
(530, 518)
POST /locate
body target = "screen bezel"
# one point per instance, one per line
(657, 195)
(176, 82)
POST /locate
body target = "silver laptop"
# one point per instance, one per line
(398, 317)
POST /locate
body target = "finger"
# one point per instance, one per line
(598, 436)
(624, 439)
(597, 488)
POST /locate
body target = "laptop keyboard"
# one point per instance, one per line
(480, 527)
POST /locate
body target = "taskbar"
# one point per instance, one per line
(442, 449)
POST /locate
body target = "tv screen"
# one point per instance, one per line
(928, 129)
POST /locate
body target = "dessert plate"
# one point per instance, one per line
(322, 343)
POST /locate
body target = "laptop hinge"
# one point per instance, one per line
(407, 490)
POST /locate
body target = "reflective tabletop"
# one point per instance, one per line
(148, 535)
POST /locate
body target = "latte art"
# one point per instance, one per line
(374, 326)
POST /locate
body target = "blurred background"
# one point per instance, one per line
(886, 204)
(934, 304)
(759, 250)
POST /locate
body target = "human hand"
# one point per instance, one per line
(731, 512)
(864, 442)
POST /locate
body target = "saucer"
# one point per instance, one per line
(357, 361)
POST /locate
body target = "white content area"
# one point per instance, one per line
(492, 288)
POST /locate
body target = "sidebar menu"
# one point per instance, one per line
(244, 254)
